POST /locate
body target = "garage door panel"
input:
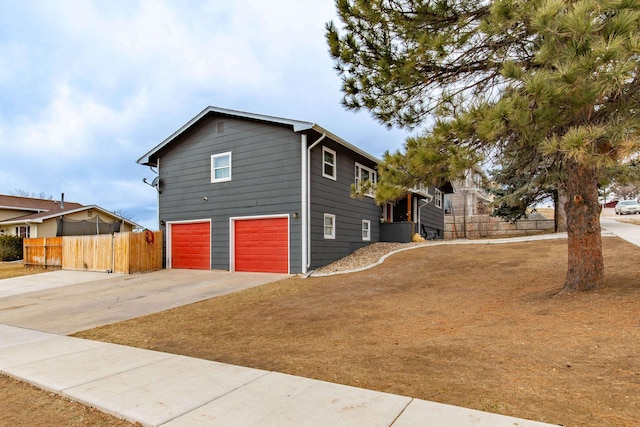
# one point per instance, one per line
(262, 245)
(191, 245)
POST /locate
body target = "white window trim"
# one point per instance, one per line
(27, 231)
(372, 173)
(437, 199)
(333, 229)
(334, 165)
(367, 230)
(213, 170)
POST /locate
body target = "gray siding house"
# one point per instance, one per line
(247, 192)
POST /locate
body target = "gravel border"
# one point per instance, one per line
(364, 258)
(375, 253)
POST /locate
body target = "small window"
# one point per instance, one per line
(221, 167)
(437, 199)
(23, 231)
(363, 175)
(366, 230)
(328, 163)
(329, 226)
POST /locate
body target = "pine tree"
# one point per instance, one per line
(544, 87)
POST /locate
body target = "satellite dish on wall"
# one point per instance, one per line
(155, 183)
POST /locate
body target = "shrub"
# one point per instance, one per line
(10, 248)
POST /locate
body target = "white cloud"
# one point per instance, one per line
(90, 86)
(69, 125)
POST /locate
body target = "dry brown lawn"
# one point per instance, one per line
(16, 269)
(480, 326)
(546, 212)
(22, 405)
(631, 219)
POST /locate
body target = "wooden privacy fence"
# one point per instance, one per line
(42, 252)
(118, 253)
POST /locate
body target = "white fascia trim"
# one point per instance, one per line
(297, 125)
(346, 144)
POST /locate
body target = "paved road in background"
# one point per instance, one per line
(628, 232)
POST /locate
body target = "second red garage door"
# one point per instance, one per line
(191, 245)
(262, 245)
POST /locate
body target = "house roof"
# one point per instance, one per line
(149, 158)
(39, 210)
(30, 204)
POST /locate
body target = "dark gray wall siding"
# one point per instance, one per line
(334, 197)
(266, 170)
(432, 217)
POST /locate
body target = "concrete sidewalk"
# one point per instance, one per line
(162, 389)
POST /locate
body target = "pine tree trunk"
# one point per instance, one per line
(586, 266)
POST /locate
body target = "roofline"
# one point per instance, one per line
(19, 208)
(71, 211)
(297, 125)
(344, 143)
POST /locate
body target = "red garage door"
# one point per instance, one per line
(262, 245)
(191, 246)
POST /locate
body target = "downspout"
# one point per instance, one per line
(158, 190)
(306, 200)
(425, 202)
(303, 207)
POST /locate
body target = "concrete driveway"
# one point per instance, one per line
(64, 302)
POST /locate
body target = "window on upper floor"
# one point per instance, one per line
(221, 167)
(328, 163)
(329, 226)
(365, 176)
(437, 199)
(366, 230)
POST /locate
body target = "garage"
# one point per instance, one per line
(191, 245)
(261, 245)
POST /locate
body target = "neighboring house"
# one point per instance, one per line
(30, 217)
(469, 196)
(247, 192)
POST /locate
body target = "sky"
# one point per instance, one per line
(87, 87)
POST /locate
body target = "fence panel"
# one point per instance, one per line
(121, 250)
(92, 253)
(145, 251)
(43, 252)
(119, 253)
